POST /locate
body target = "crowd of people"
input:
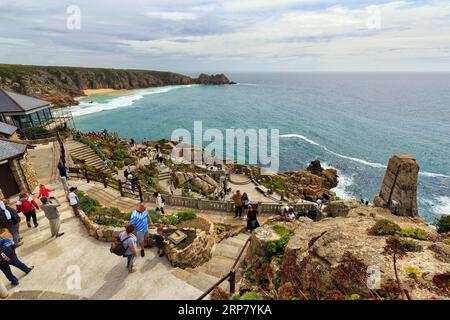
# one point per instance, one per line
(28, 206)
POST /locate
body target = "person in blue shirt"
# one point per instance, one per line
(140, 219)
(9, 258)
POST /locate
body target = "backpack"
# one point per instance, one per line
(26, 206)
(118, 248)
(163, 200)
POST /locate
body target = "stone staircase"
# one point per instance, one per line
(164, 177)
(82, 152)
(223, 258)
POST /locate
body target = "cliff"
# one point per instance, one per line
(60, 85)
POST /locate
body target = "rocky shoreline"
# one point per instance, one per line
(61, 85)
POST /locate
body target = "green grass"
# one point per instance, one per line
(384, 227)
(277, 247)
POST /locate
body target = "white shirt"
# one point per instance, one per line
(73, 199)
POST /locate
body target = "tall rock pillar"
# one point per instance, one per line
(399, 189)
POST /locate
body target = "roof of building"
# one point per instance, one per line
(10, 149)
(15, 102)
(7, 128)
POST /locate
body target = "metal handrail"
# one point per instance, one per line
(231, 275)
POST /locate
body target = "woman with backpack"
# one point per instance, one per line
(28, 206)
(128, 241)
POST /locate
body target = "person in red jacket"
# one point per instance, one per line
(43, 192)
(28, 206)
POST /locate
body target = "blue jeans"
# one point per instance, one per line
(5, 267)
(130, 261)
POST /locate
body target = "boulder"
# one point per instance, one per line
(260, 238)
(340, 208)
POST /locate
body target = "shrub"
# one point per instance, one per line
(186, 215)
(412, 272)
(36, 132)
(414, 233)
(172, 219)
(443, 224)
(250, 276)
(384, 228)
(108, 221)
(251, 295)
(219, 294)
(88, 204)
(277, 247)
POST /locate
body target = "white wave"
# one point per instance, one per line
(443, 206)
(343, 183)
(126, 100)
(362, 161)
(247, 84)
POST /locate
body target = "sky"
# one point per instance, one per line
(229, 35)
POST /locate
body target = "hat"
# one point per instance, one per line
(72, 189)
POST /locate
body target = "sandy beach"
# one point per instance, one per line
(90, 92)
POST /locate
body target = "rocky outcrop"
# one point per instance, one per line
(311, 184)
(399, 189)
(60, 85)
(202, 182)
(213, 79)
(317, 250)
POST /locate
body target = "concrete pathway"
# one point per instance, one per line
(79, 265)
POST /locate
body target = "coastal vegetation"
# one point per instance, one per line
(443, 224)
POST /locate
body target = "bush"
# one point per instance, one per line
(384, 228)
(251, 295)
(88, 204)
(108, 221)
(36, 132)
(414, 233)
(412, 272)
(277, 247)
(186, 215)
(443, 224)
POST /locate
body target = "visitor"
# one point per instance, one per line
(52, 214)
(134, 182)
(43, 192)
(252, 221)
(104, 164)
(159, 200)
(160, 241)
(129, 240)
(237, 198)
(10, 220)
(126, 173)
(140, 219)
(73, 201)
(132, 142)
(63, 175)
(28, 207)
(8, 258)
(245, 202)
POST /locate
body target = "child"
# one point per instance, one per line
(159, 239)
(73, 200)
(43, 192)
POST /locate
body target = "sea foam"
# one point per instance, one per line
(125, 100)
(362, 161)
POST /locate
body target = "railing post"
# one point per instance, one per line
(104, 181)
(140, 192)
(86, 175)
(232, 282)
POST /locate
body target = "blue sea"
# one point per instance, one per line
(353, 122)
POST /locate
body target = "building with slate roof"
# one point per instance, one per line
(16, 172)
(24, 111)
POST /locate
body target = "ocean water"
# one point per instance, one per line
(353, 122)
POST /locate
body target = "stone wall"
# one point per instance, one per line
(99, 232)
(195, 254)
(24, 173)
(399, 189)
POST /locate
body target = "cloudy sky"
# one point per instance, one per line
(229, 35)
